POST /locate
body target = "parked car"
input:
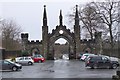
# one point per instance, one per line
(38, 58)
(24, 60)
(84, 56)
(9, 65)
(101, 62)
(80, 55)
(65, 56)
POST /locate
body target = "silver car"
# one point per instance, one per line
(24, 60)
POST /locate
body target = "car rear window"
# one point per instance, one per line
(105, 58)
(38, 56)
(5, 62)
(95, 58)
(30, 58)
(27, 58)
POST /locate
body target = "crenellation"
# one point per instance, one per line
(37, 41)
(34, 42)
(64, 26)
(24, 35)
(88, 41)
(57, 26)
(53, 31)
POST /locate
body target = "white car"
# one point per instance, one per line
(65, 56)
(24, 60)
(84, 56)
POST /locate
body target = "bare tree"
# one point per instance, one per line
(110, 16)
(10, 35)
(90, 20)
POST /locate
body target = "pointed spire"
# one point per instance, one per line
(44, 17)
(60, 17)
(76, 16)
(44, 14)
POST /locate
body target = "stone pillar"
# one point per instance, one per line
(45, 34)
(77, 33)
(45, 41)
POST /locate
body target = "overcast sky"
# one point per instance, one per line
(29, 14)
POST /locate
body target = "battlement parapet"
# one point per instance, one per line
(87, 41)
(34, 42)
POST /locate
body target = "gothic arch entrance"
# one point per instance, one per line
(65, 35)
(34, 51)
(87, 50)
(60, 32)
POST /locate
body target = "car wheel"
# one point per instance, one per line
(14, 68)
(94, 66)
(108, 67)
(30, 63)
(114, 66)
(40, 61)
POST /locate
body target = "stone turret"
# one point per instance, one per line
(45, 33)
(24, 37)
(77, 32)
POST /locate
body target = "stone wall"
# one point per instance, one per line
(10, 54)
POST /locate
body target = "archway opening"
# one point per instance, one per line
(61, 49)
(34, 51)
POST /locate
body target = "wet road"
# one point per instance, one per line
(59, 69)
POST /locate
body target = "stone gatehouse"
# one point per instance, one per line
(46, 45)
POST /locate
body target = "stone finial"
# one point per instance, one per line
(44, 16)
(44, 6)
(76, 16)
(60, 17)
